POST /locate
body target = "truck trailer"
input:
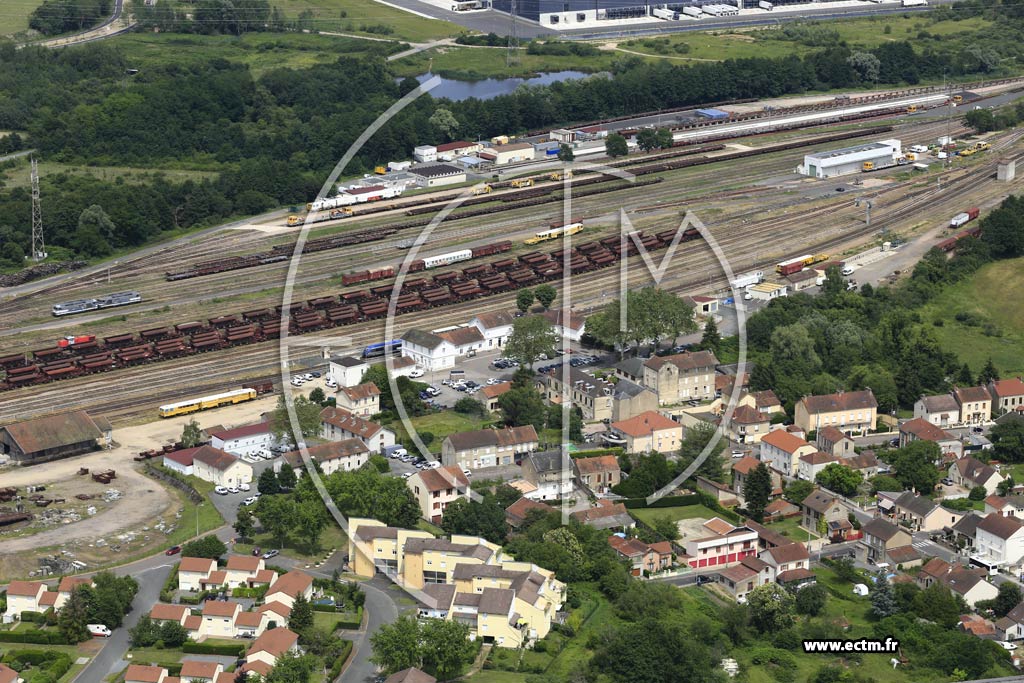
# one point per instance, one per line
(748, 279)
(693, 12)
(664, 13)
(764, 4)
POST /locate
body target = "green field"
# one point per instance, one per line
(359, 14)
(473, 63)
(440, 425)
(14, 16)
(18, 174)
(294, 547)
(791, 528)
(996, 327)
(648, 515)
(260, 51)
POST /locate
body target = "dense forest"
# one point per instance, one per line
(53, 17)
(274, 137)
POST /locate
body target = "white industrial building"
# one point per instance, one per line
(435, 175)
(508, 154)
(424, 154)
(848, 160)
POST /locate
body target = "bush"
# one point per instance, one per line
(346, 650)
(33, 617)
(34, 636)
(223, 649)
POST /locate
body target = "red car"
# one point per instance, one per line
(173, 550)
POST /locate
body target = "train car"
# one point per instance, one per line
(447, 259)
(794, 265)
(77, 306)
(207, 402)
(118, 299)
(74, 340)
(965, 217)
(383, 348)
(556, 232)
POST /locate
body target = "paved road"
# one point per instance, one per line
(379, 609)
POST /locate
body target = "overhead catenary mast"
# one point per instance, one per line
(38, 244)
(512, 57)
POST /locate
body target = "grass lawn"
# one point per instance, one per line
(18, 175)
(493, 676)
(440, 425)
(791, 528)
(14, 16)
(295, 547)
(993, 315)
(260, 51)
(648, 515)
(362, 14)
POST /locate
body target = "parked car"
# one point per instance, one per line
(296, 382)
(947, 481)
(271, 553)
(173, 550)
(233, 489)
(244, 487)
(416, 372)
(467, 472)
(256, 551)
(220, 491)
(737, 454)
(315, 373)
(250, 500)
(1007, 645)
(330, 383)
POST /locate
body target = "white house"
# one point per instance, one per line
(465, 340)
(429, 351)
(345, 455)
(495, 328)
(290, 586)
(347, 371)
(569, 327)
(1000, 539)
(264, 652)
(193, 570)
(942, 410)
(220, 468)
(337, 424)
(245, 440)
(782, 450)
(810, 465)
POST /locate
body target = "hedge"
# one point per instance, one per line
(225, 649)
(323, 608)
(339, 663)
(52, 665)
(598, 452)
(663, 502)
(34, 636)
(170, 585)
(350, 624)
(33, 617)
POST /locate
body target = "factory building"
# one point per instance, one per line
(436, 175)
(508, 154)
(848, 160)
(567, 13)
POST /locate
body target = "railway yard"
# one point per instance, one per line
(744, 190)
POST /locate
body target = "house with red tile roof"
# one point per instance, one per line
(810, 465)
(220, 467)
(9, 675)
(605, 515)
(649, 431)
(920, 429)
(219, 618)
(137, 673)
(718, 543)
(740, 579)
(599, 473)
(436, 489)
(247, 439)
(362, 399)
(337, 424)
(491, 394)
(27, 596)
(266, 649)
(852, 412)
(781, 451)
(785, 558)
(1007, 394)
(193, 570)
(247, 571)
(164, 612)
(570, 327)
(644, 558)
(516, 513)
(290, 586)
(195, 671)
(681, 377)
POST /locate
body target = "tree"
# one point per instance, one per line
(73, 618)
(796, 491)
(667, 528)
(307, 413)
(771, 608)
(301, 617)
(711, 340)
(367, 493)
(988, 373)
(696, 440)
(651, 315)
(291, 668)
(191, 435)
(615, 146)
(664, 138)
(1008, 441)
(978, 493)
(522, 406)
(310, 522)
(867, 65)
(446, 647)
(647, 139)
(531, 336)
(883, 482)
(565, 153)
(268, 484)
(840, 478)
(277, 515)
(1004, 487)
(286, 478)
(244, 525)
(845, 571)
(173, 634)
(318, 396)
(524, 299)
(810, 600)
(445, 122)
(966, 377)
(936, 603)
(1009, 597)
(757, 491)
(883, 600)
(915, 465)
(145, 633)
(208, 546)
(545, 294)
(396, 646)
(467, 405)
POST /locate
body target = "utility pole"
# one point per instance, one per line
(512, 57)
(38, 244)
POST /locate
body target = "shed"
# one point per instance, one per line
(52, 437)
(713, 114)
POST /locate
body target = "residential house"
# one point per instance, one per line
(337, 456)
(362, 399)
(631, 370)
(919, 513)
(630, 399)
(920, 429)
(605, 515)
(181, 461)
(882, 538)
(782, 450)
(599, 474)
(978, 626)
(719, 543)
(347, 371)
(975, 404)
(970, 472)
(465, 340)
(970, 584)
(549, 473)
(375, 548)
(430, 351)
(852, 412)
(942, 410)
(492, 392)
(517, 512)
(28, 596)
(811, 464)
(748, 425)
(821, 508)
(681, 377)
(164, 612)
(195, 671)
(137, 673)
(245, 571)
(219, 618)
(488, 447)
(434, 560)
(220, 468)
(262, 656)
(287, 587)
(1000, 540)
(593, 396)
(51, 437)
(1007, 506)
(495, 328)
(702, 305)
(932, 572)
(964, 532)
(649, 431)
(436, 489)
(9, 675)
(831, 440)
(742, 468)
(643, 558)
(865, 462)
(412, 675)
(1007, 394)
(1011, 627)
(337, 424)
(767, 402)
(568, 327)
(193, 570)
(738, 580)
(780, 508)
(783, 559)
(248, 439)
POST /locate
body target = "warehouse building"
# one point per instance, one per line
(508, 154)
(848, 160)
(450, 150)
(436, 175)
(424, 154)
(55, 436)
(568, 12)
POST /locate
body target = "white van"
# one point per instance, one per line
(98, 630)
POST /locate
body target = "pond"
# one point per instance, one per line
(492, 87)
